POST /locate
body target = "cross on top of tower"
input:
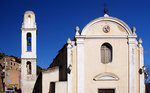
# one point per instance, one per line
(105, 10)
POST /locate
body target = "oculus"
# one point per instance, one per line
(106, 28)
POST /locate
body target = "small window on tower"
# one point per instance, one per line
(29, 41)
(29, 19)
(28, 68)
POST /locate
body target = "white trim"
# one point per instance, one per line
(132, 73)
(80, 65)
(28, 29)
(142, 85)
(69, 62)
(106, 77)
(112, 19)
(105, 36)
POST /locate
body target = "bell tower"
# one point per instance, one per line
(28, 55)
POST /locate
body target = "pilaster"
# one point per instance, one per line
(80, 64)
(141, 59)
(69, 66)
(132, 72)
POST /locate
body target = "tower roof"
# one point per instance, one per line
(29, 12)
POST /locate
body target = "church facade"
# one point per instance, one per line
(105, 57)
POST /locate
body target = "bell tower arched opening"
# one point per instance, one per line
(29, 42)
(29, 68)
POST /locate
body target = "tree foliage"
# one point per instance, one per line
(2, 55)
(147, 77)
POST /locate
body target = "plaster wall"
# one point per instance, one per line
(27, 86)
(97, 29)
(61, 86)
(48, 77)
(137, 67)
(14, 78)
(74, 71)
(92, 56)
(94, 66)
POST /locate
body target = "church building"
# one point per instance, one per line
(104, 57)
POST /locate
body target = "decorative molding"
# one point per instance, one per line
(106, 77)
(105, 36)
(77, 30)
(132, 36)
(80, 65)
(142, 83)
(106, 15)
(69, 66)
(31, 29)
(106, 28)
(132, 72)
(102, 37)
(29, 58)
(111, 19)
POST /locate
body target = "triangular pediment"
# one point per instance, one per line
(106, 77)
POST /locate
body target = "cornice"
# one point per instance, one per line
(102, 37)
(29, 58)
(112, 19)
(28, 29)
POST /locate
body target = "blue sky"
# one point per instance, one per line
(56, 20)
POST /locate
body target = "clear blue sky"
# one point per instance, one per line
(56, 20)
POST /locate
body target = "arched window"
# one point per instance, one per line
(28, 68)
(29, 41)
(106, 53)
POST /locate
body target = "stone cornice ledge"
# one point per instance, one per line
(28, 29)
(132, 36)
(29, 58)
(102, 36)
